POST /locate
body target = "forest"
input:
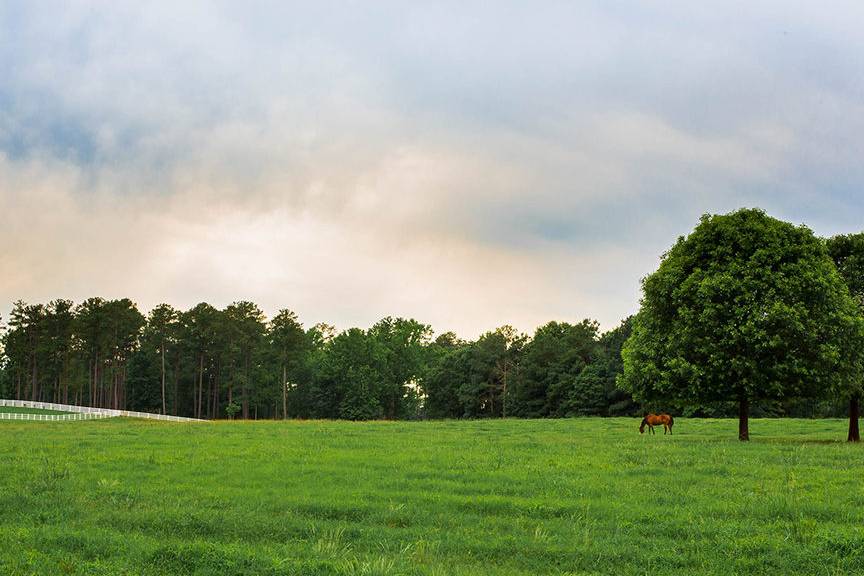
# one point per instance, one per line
(210, 363)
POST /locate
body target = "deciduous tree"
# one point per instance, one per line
(744, 308)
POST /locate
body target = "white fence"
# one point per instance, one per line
(80, 412)
(50, 417)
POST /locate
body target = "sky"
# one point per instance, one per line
(468, 164)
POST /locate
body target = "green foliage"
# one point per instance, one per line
(448, 364)
(491, 364)
(848, 255)
(745, 308)
(231, 409)
(847, 251)
(195, 362)
(142, 383)
(549, 370)
(511, 497)
(402, 348)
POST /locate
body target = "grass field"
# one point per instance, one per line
(582, 496)
(17, 410)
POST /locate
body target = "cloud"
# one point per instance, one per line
(459, 164)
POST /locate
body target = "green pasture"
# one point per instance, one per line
(578, 496)
(16, 410)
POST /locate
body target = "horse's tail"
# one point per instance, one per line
(671, 421)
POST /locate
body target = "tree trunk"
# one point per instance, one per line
(245, 401)
(162, 354)
(284, 392)
(34, 387)
(200, 385)
(854, 435)
(214, 412)
(743, 420)
(66, 381)
(176, 382)
(504, 395)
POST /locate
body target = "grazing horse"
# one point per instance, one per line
(652, 420)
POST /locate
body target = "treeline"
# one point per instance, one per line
(211, 363)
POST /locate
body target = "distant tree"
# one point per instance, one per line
(231, 409)
(200, 331)
(745, 308)
(447, 366)
(27, 346)
(289, 344)
(322, 333)
(587, 395)
(245, 322)
(349, 382)
(550, 368)
(402, 343)
(848, 254)
(618, 402)
(492, 364)
(59, 322)
(91, 335)
(123, 324)
(4, 361)
(143, 381)
(160, 334)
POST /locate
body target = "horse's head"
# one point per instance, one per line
(642, 425)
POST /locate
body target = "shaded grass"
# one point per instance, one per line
(585, 496)
(16, 410)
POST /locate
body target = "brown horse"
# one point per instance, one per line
(652, 420)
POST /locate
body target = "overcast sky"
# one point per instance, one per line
(468, 164)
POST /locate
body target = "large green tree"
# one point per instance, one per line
(847, 251)
(745, 308)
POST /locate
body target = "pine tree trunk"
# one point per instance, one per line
(214, 412)
(34, 387)
(66, 382)
(284, 393)
(163, 376)
(504, 395)
(176, 382)
(744, 420)
(854, 434)
(245, 400)
(200, 385)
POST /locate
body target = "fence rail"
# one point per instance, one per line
(88, 411)
(50, 417)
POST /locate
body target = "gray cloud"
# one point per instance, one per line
(466, 164)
